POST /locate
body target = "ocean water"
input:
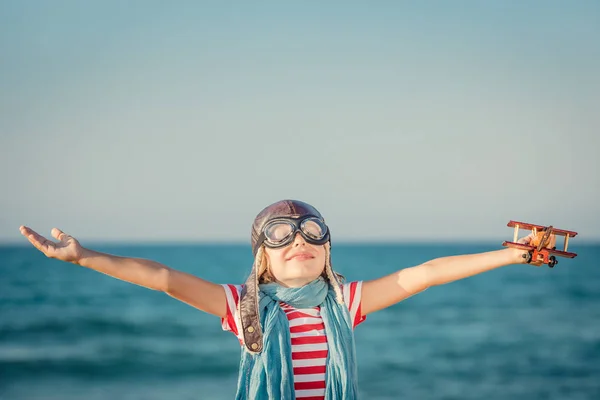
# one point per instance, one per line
(518, 332)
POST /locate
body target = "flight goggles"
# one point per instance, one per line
(280, 232)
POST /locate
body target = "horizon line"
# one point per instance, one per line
(238, 242)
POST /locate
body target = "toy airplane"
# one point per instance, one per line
(542, 245)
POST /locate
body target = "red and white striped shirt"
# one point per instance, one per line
(307, 334)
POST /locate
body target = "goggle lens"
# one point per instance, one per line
(278, 232)
(313, 228)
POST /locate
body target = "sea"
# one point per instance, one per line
(517, 332)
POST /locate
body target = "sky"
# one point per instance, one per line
(400, 121)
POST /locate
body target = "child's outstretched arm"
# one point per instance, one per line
(384, 292)
(204, 295)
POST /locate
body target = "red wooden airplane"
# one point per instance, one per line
(542, 246)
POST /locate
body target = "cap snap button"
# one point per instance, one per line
(254, 346)
(250, 329)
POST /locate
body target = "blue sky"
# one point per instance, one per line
(398, 120)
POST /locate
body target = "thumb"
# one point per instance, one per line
(526, 239)
(58, 234)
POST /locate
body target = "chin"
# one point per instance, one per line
(304, 268)
(298, 282)
(300, 279)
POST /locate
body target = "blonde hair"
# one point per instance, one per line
(265, 276)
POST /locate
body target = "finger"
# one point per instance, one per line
(45, 246)
(32, 235)
(526, 239)
(38, 241)
(58, 234)
(26, 231)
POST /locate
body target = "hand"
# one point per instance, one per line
(534, 240)
(67, 249)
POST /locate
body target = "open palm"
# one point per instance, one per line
(66, 249)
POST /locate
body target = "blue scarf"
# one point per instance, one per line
(268, 375)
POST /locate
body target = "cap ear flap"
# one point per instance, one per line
(249, 313)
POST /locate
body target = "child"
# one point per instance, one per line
(293, 317)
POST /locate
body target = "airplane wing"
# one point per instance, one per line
(555, 231)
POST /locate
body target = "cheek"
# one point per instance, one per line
(318, 263)
(321, 256)
(276, 260)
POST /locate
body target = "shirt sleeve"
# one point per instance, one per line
(352, 293)
(232, 322)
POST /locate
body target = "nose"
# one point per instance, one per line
(299, 239)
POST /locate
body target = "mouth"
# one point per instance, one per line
(301, 257)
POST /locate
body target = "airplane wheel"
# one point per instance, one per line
(553, 261)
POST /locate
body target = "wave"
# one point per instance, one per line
(125, 366)
(84, 326)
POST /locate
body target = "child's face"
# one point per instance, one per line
(297, 264)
